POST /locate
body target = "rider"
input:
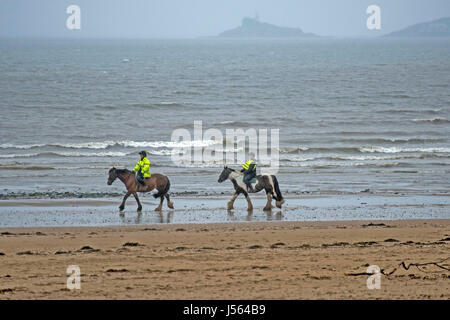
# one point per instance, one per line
(142, 168)
(249, 171)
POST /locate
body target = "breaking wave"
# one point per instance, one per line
(121, 143)
(398, 150)
(432, 120)
(67, 154)
(363, 149)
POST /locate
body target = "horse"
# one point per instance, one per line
(158, 181)
(267, 182)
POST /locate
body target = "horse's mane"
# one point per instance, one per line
(121, 171)
(236, 171)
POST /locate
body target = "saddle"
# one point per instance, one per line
(253, 183)
(141, 183)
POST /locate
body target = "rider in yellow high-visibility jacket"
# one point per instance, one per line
(249, 170)
(142, 168)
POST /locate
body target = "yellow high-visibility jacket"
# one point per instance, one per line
(143, 166)
(248, 163)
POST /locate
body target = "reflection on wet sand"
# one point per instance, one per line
(18, 213)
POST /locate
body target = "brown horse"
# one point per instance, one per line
(157, 181)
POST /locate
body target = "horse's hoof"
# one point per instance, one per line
(230, 206)
(268, 208)
(170, 204)
(279, 203)
(121, 208)
(139, 209)
(158, 209)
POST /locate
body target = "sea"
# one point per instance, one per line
(354, 115)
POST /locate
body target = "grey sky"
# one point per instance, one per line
(194, 18)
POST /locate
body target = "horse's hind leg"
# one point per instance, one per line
(139, 209)
(169, 203)
(122, 206)
(280, 203)
(159, 208)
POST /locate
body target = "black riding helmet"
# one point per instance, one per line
(143, 153)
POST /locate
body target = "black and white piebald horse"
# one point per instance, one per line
(260, 182)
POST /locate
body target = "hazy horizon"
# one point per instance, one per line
(203, 18)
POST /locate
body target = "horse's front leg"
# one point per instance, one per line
(231, 202)
(122, 206)
(139, 209)
(269, 202)
(249, 202)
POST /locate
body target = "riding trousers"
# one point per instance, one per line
(140, 178)
(249, 176)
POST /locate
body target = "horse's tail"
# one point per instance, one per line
(163, 192)
(279, 196)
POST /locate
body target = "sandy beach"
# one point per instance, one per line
(258, 260)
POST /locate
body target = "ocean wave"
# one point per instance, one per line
(67, 154)
(151, 105)
(335, 164)
(169, 144)
(85, 145)
(185, 92)
(20, 146)
(162, 152)
(168, 103)
(392, 140)
(26, 155)
(357, 149)
(234, 123)
(401, 111)
(380, 149)
(325, 149)
(432, 120)
(91, 154)
(204, 164)
(363, 158)
(292, 149)
(122, 143)
(393, 157)
(396, 95)
(27, 168)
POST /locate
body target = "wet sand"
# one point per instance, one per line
(105, 212)
(258, 260)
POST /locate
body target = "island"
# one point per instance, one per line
(436, 28)
(253, 28)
